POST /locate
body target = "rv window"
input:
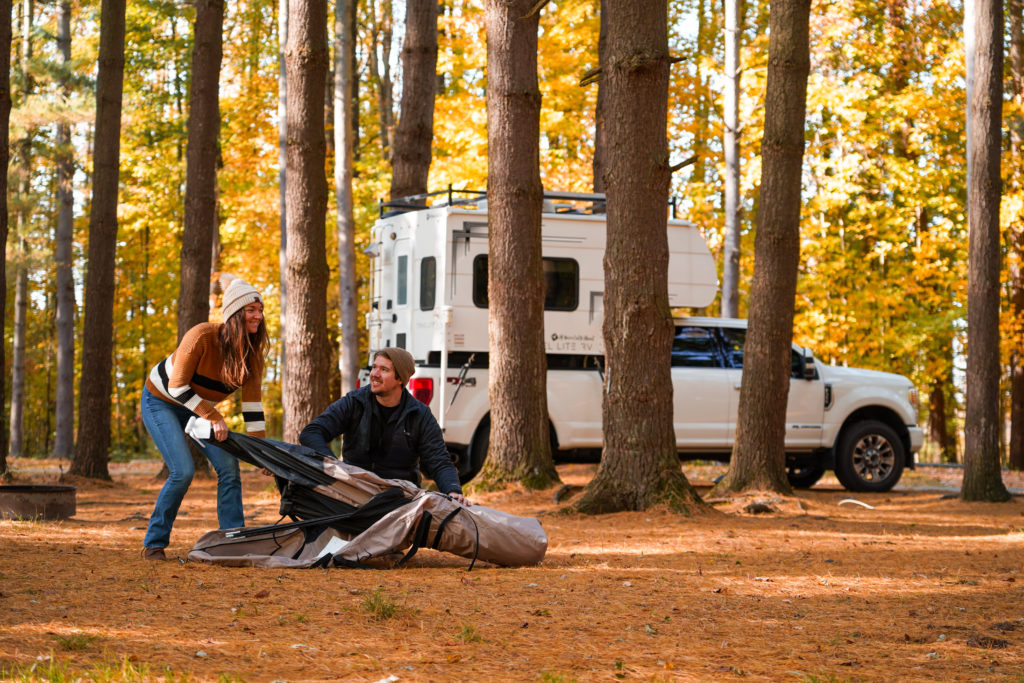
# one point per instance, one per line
(403, 281)
(428, 283)
(561, 283)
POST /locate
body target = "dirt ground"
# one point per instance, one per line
(919, 586)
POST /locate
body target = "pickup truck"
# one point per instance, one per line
(862, 424)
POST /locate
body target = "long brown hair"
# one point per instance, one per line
(243, 354)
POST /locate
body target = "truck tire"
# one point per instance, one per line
(804, 476)
(476, 452)
(870, 457)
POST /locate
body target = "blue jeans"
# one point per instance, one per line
(165, 423)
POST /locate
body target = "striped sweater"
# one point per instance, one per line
(191, 377)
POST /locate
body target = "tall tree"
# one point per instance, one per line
(5, 157)
(983, 31)
(520, 446)
(381, 33)
(346, 112)
(410, 159)
(599, 108)
(731, 148)
(64, 435)
(92, 447)
(282, 174)
(639, 464)
(758, 456)
(197, 240)
(307, 367)
(24, 218)
(1015, 236)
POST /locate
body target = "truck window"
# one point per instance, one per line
(402, 295)
(428, 283)
(734, 340)
(561, 283)
(694, 347)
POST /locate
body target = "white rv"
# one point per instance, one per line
(428, 294)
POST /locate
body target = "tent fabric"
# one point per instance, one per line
(346, 516)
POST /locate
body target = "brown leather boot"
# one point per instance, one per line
(156, 554)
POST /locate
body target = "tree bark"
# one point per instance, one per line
(307, 364)
(598, 163)
(201, 167)
(520, 442)
(345, 111)
(64, 433)
(937, 417)
(410, 157)
(731, 147)
(5, 157)
(639, 464)
(380, 73)
(24, 175)
(1015, 239)
(759, 456)
(282, 176)
(92, 448)
(983, 34)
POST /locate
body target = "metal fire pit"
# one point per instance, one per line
(37, 501)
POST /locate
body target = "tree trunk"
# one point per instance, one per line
(282, 175)
(599, 109)
(410, 157)
(1015, 240)
(639, 464)
(731, 148)
(983, 32)
(938, 434)
(758, 456)
(345, 110)
(380, 73)
(92, 448)
(24, 174)
(201, 167)
(17, 444)
(64, 436)
(307, 370)
(520, 442)
(5, 156)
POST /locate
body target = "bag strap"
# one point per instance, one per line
(419, 538)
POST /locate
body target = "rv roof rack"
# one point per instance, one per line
(419, 202)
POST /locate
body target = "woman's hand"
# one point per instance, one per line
(220, 429)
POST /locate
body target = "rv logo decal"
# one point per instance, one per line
(571, 342)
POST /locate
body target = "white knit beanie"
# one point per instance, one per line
(237, 295)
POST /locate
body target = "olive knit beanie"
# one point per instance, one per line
(237, 295)
(401, 359)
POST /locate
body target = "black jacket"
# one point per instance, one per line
(411, 437)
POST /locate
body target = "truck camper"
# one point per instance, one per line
(428, 294)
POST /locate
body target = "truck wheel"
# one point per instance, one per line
(870, 457)
(476, 453)
(804, 476)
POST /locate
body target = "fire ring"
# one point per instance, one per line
(37, 502)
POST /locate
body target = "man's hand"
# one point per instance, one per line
(220, 429)
(459, 498)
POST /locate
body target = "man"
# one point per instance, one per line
(385, 429)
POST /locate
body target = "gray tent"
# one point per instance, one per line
(346, 516)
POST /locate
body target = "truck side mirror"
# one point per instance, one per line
(809, 371)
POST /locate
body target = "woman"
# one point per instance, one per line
(212, 361)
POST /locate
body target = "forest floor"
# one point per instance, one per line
(919, 586)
